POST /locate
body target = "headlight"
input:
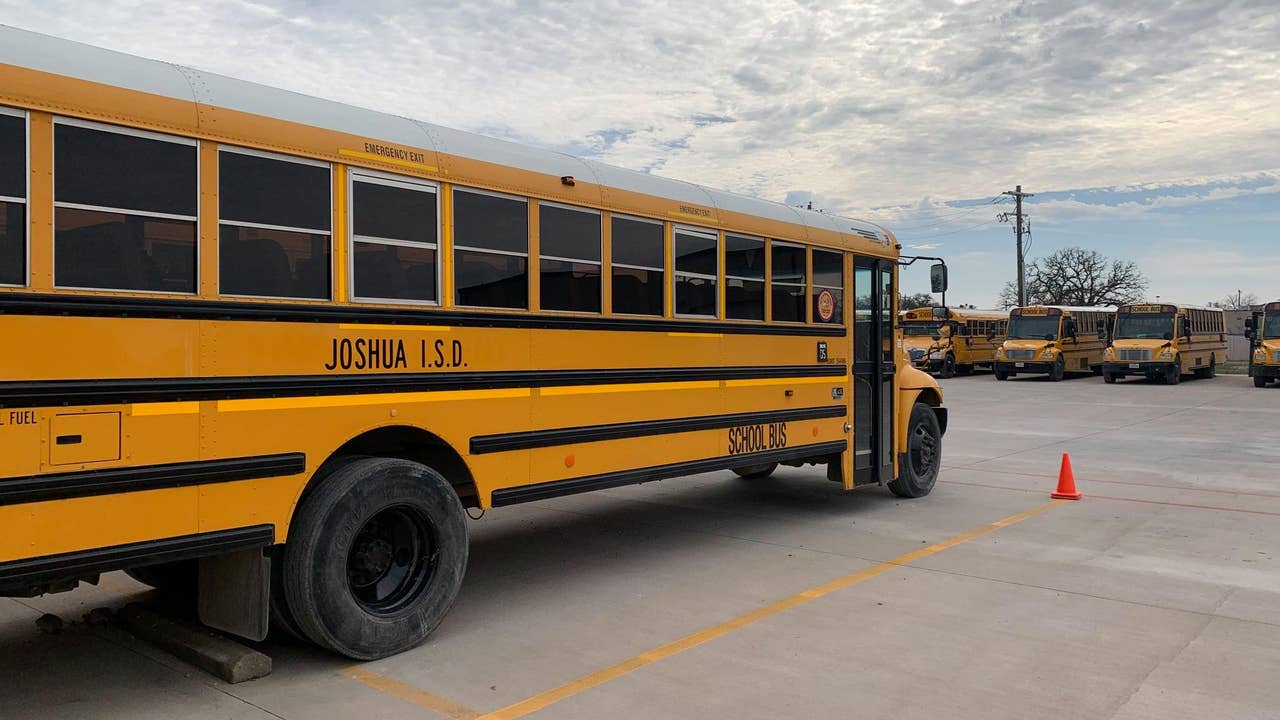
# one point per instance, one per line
(1109, 353)
(1166, 354)
(1260, 355)
(1048, 354)
(1000, 352)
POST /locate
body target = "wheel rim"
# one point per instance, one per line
(391, 559)
(924, 451)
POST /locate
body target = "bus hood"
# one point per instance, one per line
(1027, 344)
(1139, 344)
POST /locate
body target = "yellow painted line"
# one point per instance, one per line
(298, 403)
(410, 694)
(168, 408)
(591, 680)
(695, 334)
(831, 380)
(632, 387)
(424, 328)
(389, 160)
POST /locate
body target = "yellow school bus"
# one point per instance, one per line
(1264, 333)
(1164, 342)
(1054, 340)
(952, 341)
(272, 348)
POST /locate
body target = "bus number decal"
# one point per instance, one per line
(755, 438)
(390, 354)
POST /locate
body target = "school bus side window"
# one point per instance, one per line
(491, 249)
(394, 227)
(828, 277)
(743, 278)
(788, 282)
(697, 265)
(13, 198)
(274, 226)
(124, 209)
(637, 266)
(569, 239)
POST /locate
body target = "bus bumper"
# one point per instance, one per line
(1271, 372)
(1015, 368)
(1140, 368)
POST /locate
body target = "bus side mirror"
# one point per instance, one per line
(938, 278)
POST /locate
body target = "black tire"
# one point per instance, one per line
(1059, 369)
(1212, 372)
(755, 472)
(948, 367)
(1108, 378)
(919, 470)
(1001, 374)
(1173, 375)
(964, 370)
(375, 557)
(281, 616)
(178, 578)
(1259, 381)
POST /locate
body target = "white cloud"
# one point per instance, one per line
(856, 105)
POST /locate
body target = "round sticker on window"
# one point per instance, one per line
(826, 305)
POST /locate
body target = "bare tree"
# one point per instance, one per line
(916, 300)
(1238, 300)
(1076, 276)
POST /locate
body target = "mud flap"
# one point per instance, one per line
(235, 593)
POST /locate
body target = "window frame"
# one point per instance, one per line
(281, 228)
(804, 285)
(677, 273)
(598, 263)
(815, 287)
(403, 182)
(662, 225)
(765, 250)
(454, 247)
(26, 200)
(118, 130)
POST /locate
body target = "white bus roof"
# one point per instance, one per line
(45, 53)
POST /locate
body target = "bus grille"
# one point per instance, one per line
(1275, 356)
(1134, 355)
(1020, 354)
(916, 353)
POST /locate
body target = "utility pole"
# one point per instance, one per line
(1018, 230)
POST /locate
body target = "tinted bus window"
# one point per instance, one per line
(637, 266)
(491, 250)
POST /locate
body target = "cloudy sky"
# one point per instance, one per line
(1150, 132)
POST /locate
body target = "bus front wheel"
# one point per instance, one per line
(375, 557)
(1259, 381)
(1173, 375)
(1108, 378)
(1001, 374)
(919, 471)
(1059, 369)
(948, 367)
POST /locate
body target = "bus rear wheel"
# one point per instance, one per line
(919, 470)
(755, 472)
(375, 557)
(1259, 381)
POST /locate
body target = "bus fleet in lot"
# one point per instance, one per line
(1159, 341)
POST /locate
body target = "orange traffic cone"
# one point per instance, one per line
(1066, 481)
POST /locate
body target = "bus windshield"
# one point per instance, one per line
(927, 329)
(1043, 327)
(1271, 326)
(1144, 327)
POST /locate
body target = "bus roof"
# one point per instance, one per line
(1071, 308)
(208, 93)
(1180, 306)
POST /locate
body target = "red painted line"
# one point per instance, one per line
(1274, 496)
(1124, 499)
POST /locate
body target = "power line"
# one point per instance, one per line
(942, 219)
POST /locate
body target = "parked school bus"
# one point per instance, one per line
(279, 344)
(1053, 340)
(1264, 333)
(952, 341)
(1164, 342)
